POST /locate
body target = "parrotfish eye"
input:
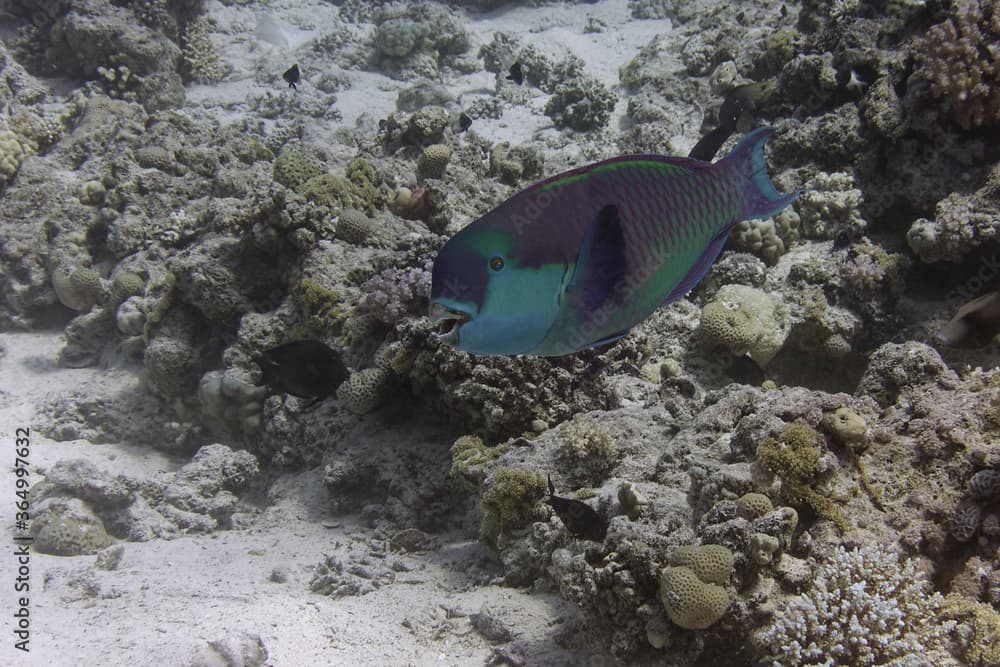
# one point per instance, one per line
(496, 263)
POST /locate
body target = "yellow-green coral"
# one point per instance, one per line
(690, 602)
(847, 426)
(512, 497)
(754, 504)
(433, 161)
(976, 635)
(11, 154)
(631, 500)
(795, 460)
(354, 226)
(319, 306)
(293, 168)
(712, 563)
(125, 284)
(588, 444)
(469, 456)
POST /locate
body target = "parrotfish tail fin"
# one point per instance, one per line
(747, 159)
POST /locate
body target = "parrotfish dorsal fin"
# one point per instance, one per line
(600, 264)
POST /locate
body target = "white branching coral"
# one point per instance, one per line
(864, 608)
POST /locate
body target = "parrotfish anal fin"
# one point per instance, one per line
(700, 268)
(608, 339)
(600, 264)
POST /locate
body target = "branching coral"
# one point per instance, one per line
(864, 608)
(395, 292)
(961, 59)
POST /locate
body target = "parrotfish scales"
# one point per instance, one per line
(577, 260)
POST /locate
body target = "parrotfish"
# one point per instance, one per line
(976, 324)
(577, 260)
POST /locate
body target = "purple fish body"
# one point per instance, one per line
(578, 259)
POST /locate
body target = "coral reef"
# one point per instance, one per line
(864, 607)
(959, 58)
(747, 321)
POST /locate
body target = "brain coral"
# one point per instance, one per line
(747, 320)
(690, 602)
(293, 167)
(364, 390)
(712, 563)
(961, 59)
(11, 154)
(77, 288)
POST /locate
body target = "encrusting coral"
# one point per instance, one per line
(795, 459)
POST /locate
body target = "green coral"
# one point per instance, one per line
(512, 497)
(92, 193)
(355, 190)
(977, 631)
(161, 290)
(433, 161)
(293, 168)
(319, 306)
(754, 504)
(795, 459)
(763, 547)
(354, 226)
(469, 456)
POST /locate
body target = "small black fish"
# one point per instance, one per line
(579, 518)
(975, 324)
(516, 74)
(292, 76)
(303, 368)
(848, 236)
(735, 113)
(745, 370)
(464, 121)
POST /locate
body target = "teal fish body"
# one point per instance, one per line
(578, 259)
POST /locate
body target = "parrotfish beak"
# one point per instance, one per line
(449, 321)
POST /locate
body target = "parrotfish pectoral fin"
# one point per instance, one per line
(700, 268)
(600, 264)
(762, 198)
